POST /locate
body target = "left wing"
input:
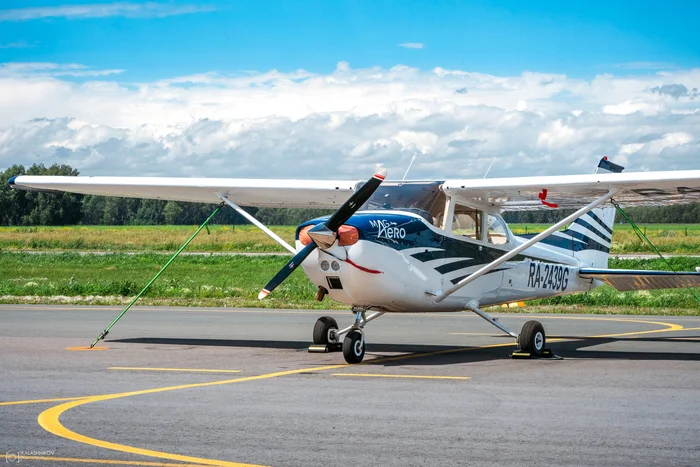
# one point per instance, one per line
(575, 191)
(623, 279)
(245, 192)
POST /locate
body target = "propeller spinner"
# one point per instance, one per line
(325, 234)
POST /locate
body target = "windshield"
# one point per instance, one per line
(422, 198)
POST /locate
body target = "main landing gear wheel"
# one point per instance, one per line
(532, 338)
(354, 347)
(322, 330)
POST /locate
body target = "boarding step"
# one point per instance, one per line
(326, 348)
(546, 354)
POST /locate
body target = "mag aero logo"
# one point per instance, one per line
(387, 229)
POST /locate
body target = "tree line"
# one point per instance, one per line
(30, 208)
(19, 207)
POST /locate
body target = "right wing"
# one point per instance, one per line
(575, 191)
(272, 193)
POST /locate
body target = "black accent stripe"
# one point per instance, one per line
(588, 243)
(588, 226)
(437, 254)
(457, 279)
(465, 263)
(565, 243)
(600, 222)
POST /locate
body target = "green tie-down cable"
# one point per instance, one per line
(143, 291)
(641, 235)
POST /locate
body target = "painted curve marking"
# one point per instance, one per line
(49, 419)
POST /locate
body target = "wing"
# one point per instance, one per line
(245, 192)
(623, 279)
(575, 191)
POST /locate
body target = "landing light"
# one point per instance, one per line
(304, 235)
(347, 235)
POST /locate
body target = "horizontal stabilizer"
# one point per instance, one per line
(626, 279)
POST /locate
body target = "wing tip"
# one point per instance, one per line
(263, 293)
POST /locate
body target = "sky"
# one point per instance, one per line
(335, 89)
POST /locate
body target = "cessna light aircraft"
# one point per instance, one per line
(422, 246)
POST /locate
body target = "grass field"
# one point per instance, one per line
(669, 238)
(240, 238)
(236, 281)
(68, 277)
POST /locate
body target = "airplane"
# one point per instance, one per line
(435, 245)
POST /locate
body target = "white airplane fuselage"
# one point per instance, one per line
(401, 262)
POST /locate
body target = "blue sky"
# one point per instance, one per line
(186, 88)
(168, 39)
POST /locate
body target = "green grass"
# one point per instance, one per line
(221, 238)
(113, 278)
(669, 238)
(236, 281)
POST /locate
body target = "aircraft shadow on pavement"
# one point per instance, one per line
(575, 348)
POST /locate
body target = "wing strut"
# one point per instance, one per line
(523, 246)
(258, 224)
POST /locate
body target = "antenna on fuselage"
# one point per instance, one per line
(409, 167)
(490, 165)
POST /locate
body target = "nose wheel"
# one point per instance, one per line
(354, 347)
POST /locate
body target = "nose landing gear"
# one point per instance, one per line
(326, 336)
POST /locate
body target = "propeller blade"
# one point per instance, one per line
(287, 270)
(357, 199)
(325, 234)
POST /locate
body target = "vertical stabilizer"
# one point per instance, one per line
(589, 237)
(592, 232)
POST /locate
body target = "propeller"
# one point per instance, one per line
(324, 234)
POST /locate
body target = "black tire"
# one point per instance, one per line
(532, 338)
(321, 328)
(353, 347)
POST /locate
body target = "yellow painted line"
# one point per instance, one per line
(41, 401)
(79, 460)
(86, 348)
(49, 419)
(671, 327)
(379, 375)
(197, 370)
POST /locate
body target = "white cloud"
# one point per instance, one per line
(412, 45)
(15, 45)
(101, 10)
(645, 65)
(342, 124)
(41, 69)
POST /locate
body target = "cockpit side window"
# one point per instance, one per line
(497, 232)
(467, 222)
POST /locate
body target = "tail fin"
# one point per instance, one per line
(592, 233)
(588, 237)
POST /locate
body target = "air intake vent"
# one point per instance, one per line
(334, 283)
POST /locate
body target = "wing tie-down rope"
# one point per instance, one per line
(641, 236)
(148, 286)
